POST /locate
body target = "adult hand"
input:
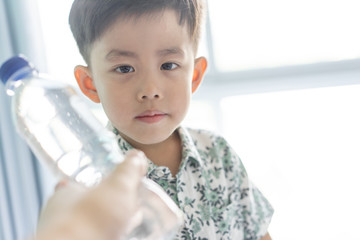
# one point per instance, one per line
(102, 212)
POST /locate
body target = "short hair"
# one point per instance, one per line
(89, 19)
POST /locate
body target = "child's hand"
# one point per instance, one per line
(102, 212)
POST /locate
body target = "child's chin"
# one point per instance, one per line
(154, 138)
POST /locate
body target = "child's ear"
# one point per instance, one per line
(199, 70)
(86, 83)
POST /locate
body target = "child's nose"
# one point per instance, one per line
(149, 90)
(149, 96)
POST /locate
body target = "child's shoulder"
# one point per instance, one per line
(198, 132)
(205, 137)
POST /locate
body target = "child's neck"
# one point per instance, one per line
(167, 153)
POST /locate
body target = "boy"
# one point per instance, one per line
(142, 69)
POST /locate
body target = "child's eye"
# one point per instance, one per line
(125, 69)
(169, 66)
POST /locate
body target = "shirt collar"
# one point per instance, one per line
(189, 149)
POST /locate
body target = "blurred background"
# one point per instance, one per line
(283, 87)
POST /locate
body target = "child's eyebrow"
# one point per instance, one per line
(120, 53)
(171, 51)
(123, 53)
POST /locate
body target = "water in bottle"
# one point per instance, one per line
(62, 131)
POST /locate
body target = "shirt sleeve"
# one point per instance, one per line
(252, 210)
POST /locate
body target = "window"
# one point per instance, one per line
(263, 34)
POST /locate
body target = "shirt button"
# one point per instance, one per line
(159, 173)
(187, 209)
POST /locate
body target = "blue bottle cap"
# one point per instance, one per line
(12, 65)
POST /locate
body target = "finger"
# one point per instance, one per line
(128, 174)
(134, 164)
(138, 160)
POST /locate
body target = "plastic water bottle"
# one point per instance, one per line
(62, 131)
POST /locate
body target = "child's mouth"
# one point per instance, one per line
(151, 116)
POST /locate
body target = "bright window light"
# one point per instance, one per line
(60, 47)
(249, 34)
(302, 150)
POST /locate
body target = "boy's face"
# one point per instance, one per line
(142, 71)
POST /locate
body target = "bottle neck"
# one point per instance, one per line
(17, 79)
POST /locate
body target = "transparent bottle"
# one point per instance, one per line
(61, 131)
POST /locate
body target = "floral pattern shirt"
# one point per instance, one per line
(212, 189)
